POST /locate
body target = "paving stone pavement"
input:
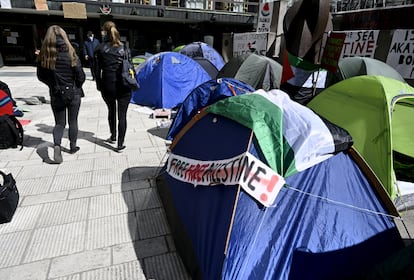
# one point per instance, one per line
(95, 216)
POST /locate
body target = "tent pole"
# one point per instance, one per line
(235, 203)
(314, 82)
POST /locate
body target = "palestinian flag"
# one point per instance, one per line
(291, 136)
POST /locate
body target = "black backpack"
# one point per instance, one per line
(11, 132)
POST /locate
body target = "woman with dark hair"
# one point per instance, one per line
(61, 70)
(108, 56)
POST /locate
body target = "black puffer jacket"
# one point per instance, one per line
(109, 67)
(65, 74)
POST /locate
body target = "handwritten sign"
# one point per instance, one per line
(401, 52)
(254, 176)
(250, 42)
(332, 51)
(360, 43)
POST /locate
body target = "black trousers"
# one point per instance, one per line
(61, 111)
(117, 108)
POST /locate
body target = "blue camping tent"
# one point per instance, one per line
(166, 79)
(204, 95)
(201, 49)
(330, 220)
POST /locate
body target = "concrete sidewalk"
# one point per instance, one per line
(95, 216)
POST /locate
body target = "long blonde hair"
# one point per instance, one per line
(48, 51)
(113, 35)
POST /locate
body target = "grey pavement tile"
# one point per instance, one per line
(137, 158)
(56, 241)
(111, 204)
(44, 198)
(14, 170)
(124, 252)
(130, 186)
(30, 271)
(37, 171)
(151, 247)
(152, 223)
(34, 186)
(118, 162)
(142, 172)
(64, 212)
(108, 176)
(16, 154)
(93, 155)
(112, 230)
(171, 264)
(25, 162)
(89, 192)
(25, 218)
(80, 262)
(12, 247)
(146, 199)
(130, 270)
(71, 181)
(69, 277)
(78, 166)
(171, 243)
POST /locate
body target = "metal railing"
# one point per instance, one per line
(352, 5)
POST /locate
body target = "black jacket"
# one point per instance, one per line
(109, 66)
(66, 75)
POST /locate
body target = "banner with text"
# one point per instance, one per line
(250, 42)
(360, 43)
(401, 52)
(254, 176)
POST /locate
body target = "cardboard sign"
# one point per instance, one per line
(41, 5)
(360, 43)
(401, 52)
(332, 51)
(74, 10)
(254, 176)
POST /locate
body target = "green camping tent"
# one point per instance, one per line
(378, 113)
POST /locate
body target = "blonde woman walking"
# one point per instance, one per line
(60, 69)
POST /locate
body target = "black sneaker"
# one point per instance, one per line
(74, 150)
(120, 148)
(111, 140)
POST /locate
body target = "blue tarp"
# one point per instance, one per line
(166, 79)
(204, 95)
(325, 224)
(201, 49)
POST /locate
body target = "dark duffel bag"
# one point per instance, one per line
(9, 197)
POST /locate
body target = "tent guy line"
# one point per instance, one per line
(343, 204)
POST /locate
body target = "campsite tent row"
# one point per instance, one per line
(331, 220)
(167, 78)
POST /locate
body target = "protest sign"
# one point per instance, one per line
(332, 51)
(360, 43)
(401, 52)
(254, 176)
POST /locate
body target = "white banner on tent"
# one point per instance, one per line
(250, 42)
(401, 52)
(254, 176)
(360, 43)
